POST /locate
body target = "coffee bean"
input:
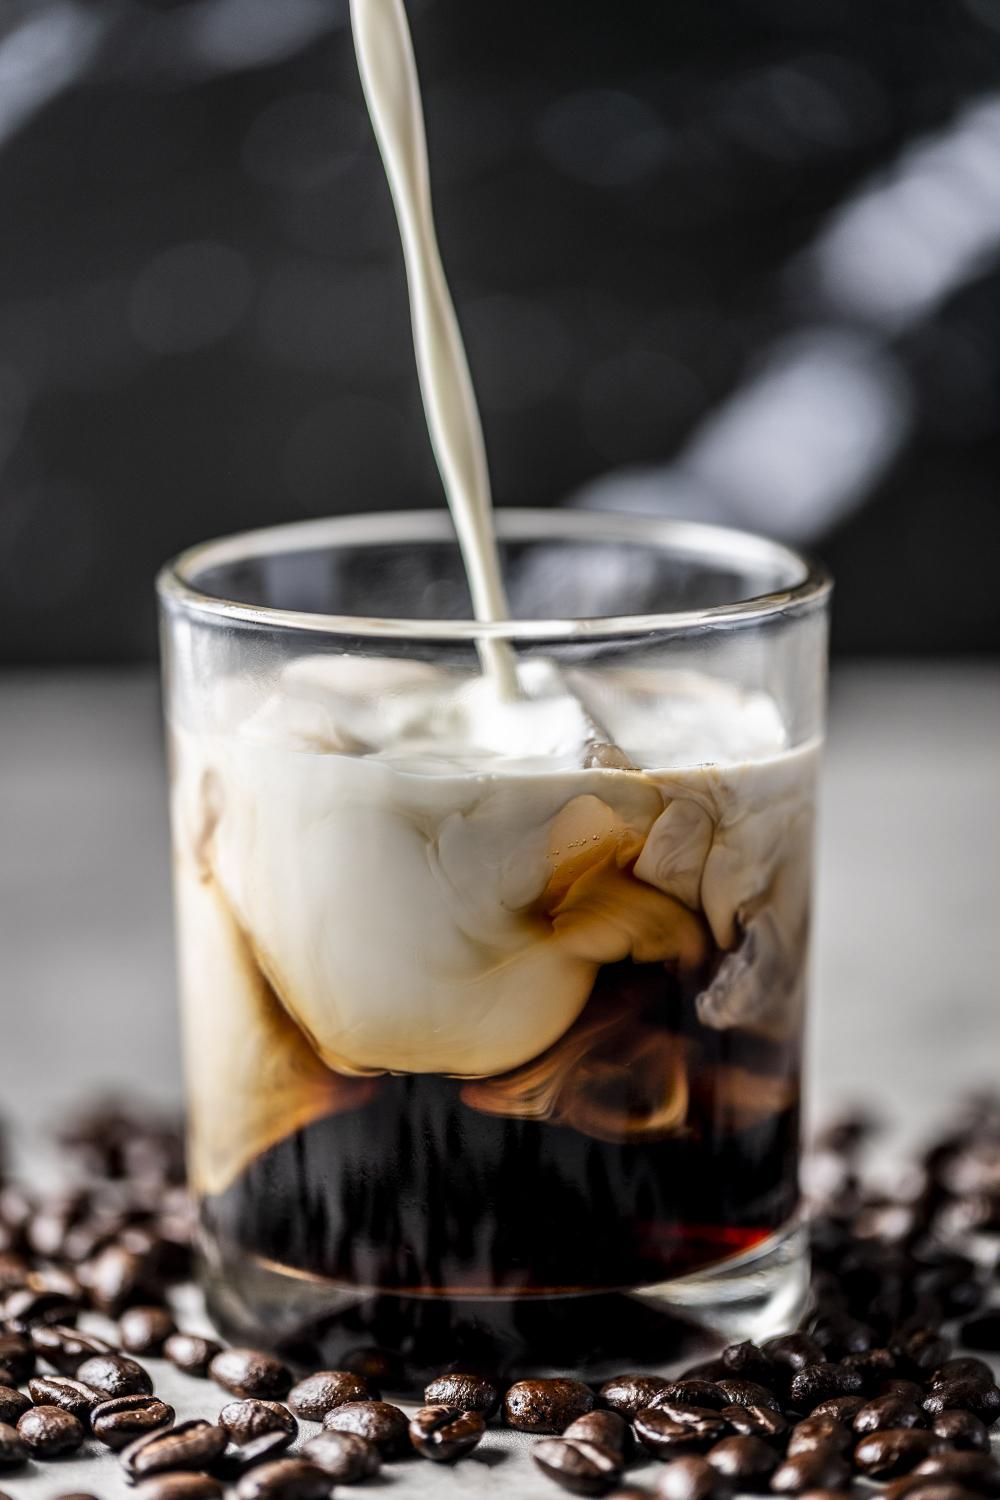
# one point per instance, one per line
(580, 1467)
(12, 1405)
(244, 1421)
(692, 1478)
(630, 1393)
(819, 1432)
(17, 1357)
(250, 1372)
(818, 1469)
(48, 1431)
(118, 1277)
(815, 1383)
(747, 1461)
(118, 1422)
(145, 1330)
(840, 1334)
(895, 1450)
(378, 1421)
(888, 1411)
(191, 1353)
(874, 1366)
(189, 1445)
(605, 1428)
(687, 1416)
(755, 1421)
(746, 1362)
(467, 1392)
(964, 1394)
(665, 1437)
(240, 1457)
(24, 1308)
(115, 1375)
(65, 1348)
(13, 1452)
(285, 1479)
(343, 1456)
(179, 1486)
(546, 1406)
(792, 1351)
(960, 1429)
(746, 1393)
(694, 1393)
(977, 1471)
(963, 1367)
(923, 1350)
(70, 1395)
(313, 1397)
(444, 1434)
(844, 1408)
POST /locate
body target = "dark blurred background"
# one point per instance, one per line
(732, 258)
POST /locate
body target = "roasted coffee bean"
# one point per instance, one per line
(115, 1375)
(118, 1422)
(580, 1467)
(13, 1452)
(17, 1356)
(250, 1372)
(695, 1393)
(747, 1461)
(467, 1392)
(444, 1434)
(24, 1308)
(755, 1421)
(240, 1457)
(982, 1332)
(70, 1395)
(817, 1469)
(815, 1383)
(692, 1478)
(13, 1404)
(48, 1431)
(964, 1394)
(793, 1351)
(746, 1362)
(546, 1406)
(843, 1408)
(191, 1353)
(145, 1330)
(65, 1348)
(874, 1366)
(841, 1334)
(896, 1450)
(285, 1479)
(819, 1432)
(977, 1471)
(605, 1428)
(963, 1367)
(923, 1350)
(687, 1416)
(189, 1445)
(243, 1421)
(118, 1277)
(179, 1486)
(378, 1421)
(746, 1393)
(313, 1397)
(960, 1429)
(630, 1393)
(343, 1456)
(665, 1437)
(888, 1411)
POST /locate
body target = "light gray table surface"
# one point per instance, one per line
(907, 938)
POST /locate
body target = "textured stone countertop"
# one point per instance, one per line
(907, 950)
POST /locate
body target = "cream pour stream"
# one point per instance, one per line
(386, 867)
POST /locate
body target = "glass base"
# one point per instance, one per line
(405, 1340)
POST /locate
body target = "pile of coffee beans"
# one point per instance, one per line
(882, 1383)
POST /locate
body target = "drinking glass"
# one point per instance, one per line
(493, 1007)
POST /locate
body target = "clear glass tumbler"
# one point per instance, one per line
(493, 1000)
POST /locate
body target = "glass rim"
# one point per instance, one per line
(176, 583)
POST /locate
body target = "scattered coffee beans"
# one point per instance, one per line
(631, 1393)
(145, 1330)
(190, 1353)
(546, 1406)
(115, 1375)
(960, 1429)
(816, 1469)
(605, 1428)
(13, 1452)
(343, 1456)
(582, 1468)
(313, 1397)
(665, 1437)
(179, 1486)
(467, 1392)
(13, 1404)
(71, 1395)
(122, 1420)
(285, 1479)
(244, 1421)
(693, 1478)
(444, 1434)
(238, 1458)
(189, 1445)
(48, 1431)
(65, 1348)
(896, 1450)
(748, 1461)
(250, 1372)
